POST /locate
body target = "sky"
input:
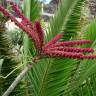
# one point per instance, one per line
(45, 1)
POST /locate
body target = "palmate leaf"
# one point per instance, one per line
(66, 19)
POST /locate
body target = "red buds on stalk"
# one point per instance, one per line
(53, 48)
(72, 49)
(72, 43)
(40, 33)
(63, 54)
(20, 15)
(54, 40)
(29, 31)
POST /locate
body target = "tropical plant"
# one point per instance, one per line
(71, 75)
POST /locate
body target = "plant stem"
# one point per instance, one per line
(17, 80)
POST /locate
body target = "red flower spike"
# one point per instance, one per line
(71, 43)
(88, 57)
(16, 9)
(62, 54)
(4, 11)
(72, 49)
(54, 40)
(40, 33)
(25, 21)
(52, 48)
(30, 32)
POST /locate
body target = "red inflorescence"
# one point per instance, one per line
(88, 57)
(72, 43)
(53, 41)
(4, 11)
(40, 33)
(28, 30)
(53, 48)
(72, 49)
(63, 54)
(20, 15)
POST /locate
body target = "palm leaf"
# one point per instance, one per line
(66, 19)
(89, 33)
(49, 78)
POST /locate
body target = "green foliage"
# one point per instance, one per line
(35, 10)
(90, 31)
(86, 68)
(66, 19)
(10, 60)
(53, 77)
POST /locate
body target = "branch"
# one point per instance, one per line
(17, 80)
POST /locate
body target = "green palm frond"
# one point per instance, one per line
(72, 26)
(87, 88)
(50, 77)
(66, 19)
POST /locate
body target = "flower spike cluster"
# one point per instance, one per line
(53, 48)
